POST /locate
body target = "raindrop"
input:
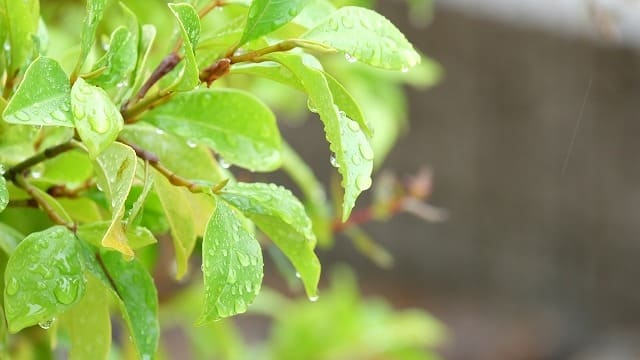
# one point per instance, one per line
(350, 58)
(7, 46)
(334, 161)
(243, 259)
(353, 125)
(65, 107)
(231, 277)
(240, 306)
(224, 252)
(347, 22)
(311, 106)
(121, 84)
(12, 286)
(313, 298)
(99, 187)
(192, 144)
(366, 151)
(363, 182)
(404, 69)
(355, 159)
(333, 24)
(298, 275)
(36, 173)
(78, 112)
(223, 163)
(248, 286)
(58, 115)
(22, 116)
(47, 324)
(98, 124)
(159, 131)
(66, 292)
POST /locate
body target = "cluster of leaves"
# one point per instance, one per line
(101, 152)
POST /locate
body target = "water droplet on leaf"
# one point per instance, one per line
(334, 161)
(350, 58)
(223, 163)
(192, 144)
(353, 125)
(47, 324)
(363, 182)
(12, 286)
(66, 292)
(58, 115)
(313, 298)
(366, 151)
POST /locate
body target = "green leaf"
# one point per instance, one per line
(95, 11)
(97, 119)
(231, 263)
(119, 61)
(137, 236)
(281, 216)
(89, 324)
(147, 37)
(345, 101)
(266, 16)
(139, 297)
(180, 156)
(42, 98)
(232, 122)
(115, 171)
(4, 194)
(353, 153)
(366, 36)
(189, 22)
(43, 278)
(136, 211)
(177, 209)
(53, 204)
(21, 19)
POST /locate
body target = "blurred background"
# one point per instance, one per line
(532, 136)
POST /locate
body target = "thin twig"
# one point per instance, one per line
(21, 182)
(48, 153)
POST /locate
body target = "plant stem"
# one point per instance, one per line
(48, 153)
(173, 178)
(159, 98)
(253, 55)
(21, 182)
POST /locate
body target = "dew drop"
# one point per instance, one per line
(98, 124)
(47, 324)
(240, 306)
(313, 298)
(347, 22)
(356, 160)
(223, 163)
(7, 46)
(366, 151)
(363, 182)
(78, 112)
(353, 125)
(66, 292)
(192, 144)
(159, 131)
(58, 115)
(36, 173)
(404, 69)
(298, 275)
(243, 259)
(350, 58)
(334, 161)
(121, 84)
(12, 286)
(22, 116)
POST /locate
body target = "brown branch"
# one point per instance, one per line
(166, 65)
(48, 153)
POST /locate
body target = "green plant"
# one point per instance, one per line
(102, 153)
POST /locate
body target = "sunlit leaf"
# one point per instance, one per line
(115, 171)
(42, 97)
(177, 209)
(137, 236)
(96, 118)
(233, 123)
(43, 278)
(281, 216)
(118, 62)
(21, 19)
(366, 36)
(231, 264)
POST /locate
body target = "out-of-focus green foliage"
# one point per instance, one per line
(120, 121)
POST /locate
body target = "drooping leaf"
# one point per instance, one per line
(137, 236)
(189, 23)
(232, 122)
(115, 171)
(136, 211)
(89, 324)
(53, 204)
(96, 118)
(42, 98)
(353, 153)
(366, 36)
(118, 62)
(279, 214)
(266, 16)
(231, 264)
(147, 37)
(95, 11)
(175, 203)
(43, 278)
(136, 290)
(71, 168)
(21, 20)
(346, 103)
(4, 193)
